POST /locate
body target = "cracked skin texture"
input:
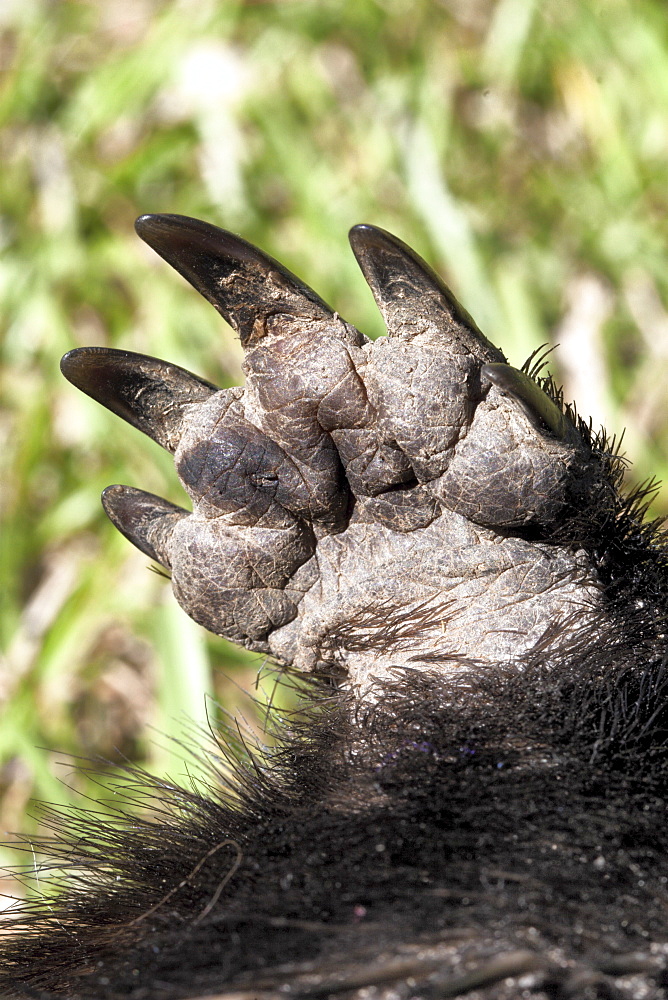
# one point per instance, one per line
(351, 481)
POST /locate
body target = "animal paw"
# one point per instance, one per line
(358, 505)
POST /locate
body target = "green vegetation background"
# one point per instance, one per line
(521, 147)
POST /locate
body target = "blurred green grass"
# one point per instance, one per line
(521, 148)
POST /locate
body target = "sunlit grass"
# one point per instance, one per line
(522, 148)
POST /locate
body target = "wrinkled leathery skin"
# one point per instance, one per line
(350, 481)
(472, 800)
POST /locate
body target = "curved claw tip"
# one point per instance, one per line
(178, 237)
(147, 392)
(144, 519)
(74, 367)
(366, 234)
(543, 412)
(379, 251)
(410, 294)
(241, 281)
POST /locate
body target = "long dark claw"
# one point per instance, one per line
(146, 520)
(541, 410)
(411, 297)
(244, 284)
(150, 394)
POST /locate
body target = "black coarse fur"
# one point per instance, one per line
(521, 834)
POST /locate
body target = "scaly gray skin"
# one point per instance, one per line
(357, 505)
